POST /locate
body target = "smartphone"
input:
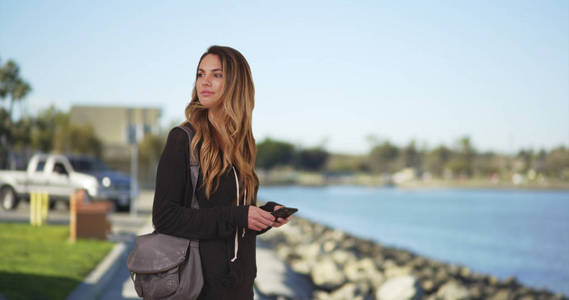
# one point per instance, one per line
(284, 212)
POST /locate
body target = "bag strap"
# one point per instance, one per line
(194, 173)
(194, 166)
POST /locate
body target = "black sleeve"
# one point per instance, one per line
(170, 216)
(269, 206)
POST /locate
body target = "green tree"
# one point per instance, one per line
(52, 132)
(271, 153)
(149, 151)
(45, 126)
(383, 158)
(523, 160)
(436, 160)
(462, 161)
(150, 148)
(15, 88)
(539, 162)
(12, 85)
(21, 136)
(5, 137)
(78, 139)
(557, 163)
(411, 156)
(486, 164)
(312, 159)
(342, 163)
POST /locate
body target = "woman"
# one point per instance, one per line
(220, 114)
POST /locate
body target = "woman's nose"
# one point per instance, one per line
(206, 80)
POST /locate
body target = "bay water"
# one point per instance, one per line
(505, 233)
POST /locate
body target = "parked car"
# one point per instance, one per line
(60, 176)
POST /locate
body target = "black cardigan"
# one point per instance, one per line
(214, 224)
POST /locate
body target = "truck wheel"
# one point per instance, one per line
(8, 198)
(52, 204)
(122, 208)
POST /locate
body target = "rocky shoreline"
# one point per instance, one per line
(341, 266)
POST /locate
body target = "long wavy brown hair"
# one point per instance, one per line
(237, 101)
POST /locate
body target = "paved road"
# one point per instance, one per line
(122, 222)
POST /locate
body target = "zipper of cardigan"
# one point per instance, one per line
(244, 202)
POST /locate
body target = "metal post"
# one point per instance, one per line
(133, 178)
(133, 142)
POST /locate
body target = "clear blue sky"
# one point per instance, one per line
(326, 72)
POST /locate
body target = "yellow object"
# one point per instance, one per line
(33, 204)
(39, 207)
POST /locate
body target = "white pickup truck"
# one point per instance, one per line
(60, 176)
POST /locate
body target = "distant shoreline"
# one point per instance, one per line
(406, 180)
(436, 184)
(475, 184)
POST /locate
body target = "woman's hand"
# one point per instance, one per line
(278, 222)
(259, 219)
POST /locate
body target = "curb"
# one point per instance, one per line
(94, 284)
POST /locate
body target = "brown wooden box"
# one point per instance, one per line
(89, 220)
(92, 221)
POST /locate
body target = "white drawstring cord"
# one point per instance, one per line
(237, 229)
(244, 199)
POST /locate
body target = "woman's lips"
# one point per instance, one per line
(206, 93)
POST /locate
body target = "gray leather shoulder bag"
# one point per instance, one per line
(164, 266)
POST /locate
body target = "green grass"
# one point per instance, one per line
(41, 263)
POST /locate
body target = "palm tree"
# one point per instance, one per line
(12, 85)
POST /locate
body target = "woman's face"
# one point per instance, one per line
(209, 82)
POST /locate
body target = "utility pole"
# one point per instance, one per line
(133, 142)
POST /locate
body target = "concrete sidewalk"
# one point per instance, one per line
(121, 285)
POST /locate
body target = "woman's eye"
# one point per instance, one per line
(218, 75)
(200, 75)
